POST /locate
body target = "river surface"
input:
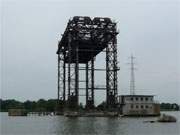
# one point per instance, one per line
(59, 125)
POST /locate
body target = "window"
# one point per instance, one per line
(142, 106)
(141, 98)
(132, 99)
(132, 106)
(147, 106)
(136, 99)
(137, 106)
(146, 99)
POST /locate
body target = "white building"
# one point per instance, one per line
(138, 105)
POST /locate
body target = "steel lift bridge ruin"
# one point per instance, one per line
(84, 38)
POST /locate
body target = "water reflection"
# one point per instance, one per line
(80, 126)
(89, 126)
(113, 126)
(60, 125)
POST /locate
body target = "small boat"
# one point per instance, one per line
(167, 118)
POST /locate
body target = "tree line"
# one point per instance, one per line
(41, 105)
(31, 106)
(50, 105)
(168, 106)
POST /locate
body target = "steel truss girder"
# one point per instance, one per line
(111, 73)
(61, 77)
(73, 75)
(90, 84)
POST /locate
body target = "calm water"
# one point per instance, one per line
(59, 125)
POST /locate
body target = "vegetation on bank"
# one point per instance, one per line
(31, 106)
(50, 105)
(169, 107)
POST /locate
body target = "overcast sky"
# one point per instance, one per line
(30, 30)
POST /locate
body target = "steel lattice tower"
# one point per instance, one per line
(83, 39)
(132, 80)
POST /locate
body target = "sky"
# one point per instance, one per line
(148, 29)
